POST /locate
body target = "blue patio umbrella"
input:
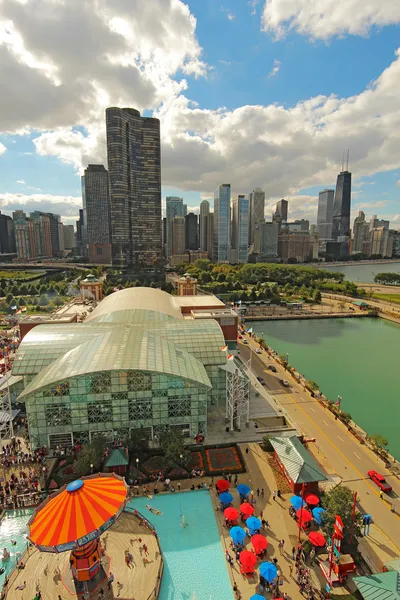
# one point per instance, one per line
(253, 523)
(269, 571)
(226, 498)
(237, 534)
(297, 502)
(257, 597)
(243, 489)
(318, 514)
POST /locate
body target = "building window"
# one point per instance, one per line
(100, 411)
(120, 396)
(61, 389)
(81, 437)
(227, 321)
(179, 406)
(139, 382)
(100, 383)
(99, 250)
(140, 408)
(57, 415)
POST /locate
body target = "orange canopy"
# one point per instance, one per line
(80, 512)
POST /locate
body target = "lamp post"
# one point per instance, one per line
(181, 457)
(137, 466)
(91, 468)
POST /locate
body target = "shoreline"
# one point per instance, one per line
(353, 263)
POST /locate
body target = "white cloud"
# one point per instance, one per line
(398, 183)
(21, 181)
(253, 5)
(2, 148)
(275, 68)
(66, 206)
(231, 16)
(328, 18)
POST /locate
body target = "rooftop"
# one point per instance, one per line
(200, 301)
(117, 458)
(380, 586)
(298, 462)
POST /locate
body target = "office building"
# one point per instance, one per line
(268, 235)
(177, 236)
(256, 214)
(379, 242)
(222, 223)
(184, 210)
(240, 228)
(191, 232)
(375, 223)
(210, 235)
(61, 238)
(395, 233)
(173, 208)
(204, 212)
(164, 234)
(298, 226)
(69, 237)
(325, 214)
(361, 232)
(46, 233)
(7, 235)
(295, 247)
(281, 212)
(97, 214)
(341, 206)
(55, 221)
(134, 171)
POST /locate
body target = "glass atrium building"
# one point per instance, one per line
(135, 362)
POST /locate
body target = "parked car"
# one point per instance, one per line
(258, 351)
(380, 481)
(272, 368)
(284, 382)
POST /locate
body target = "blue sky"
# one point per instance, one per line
(198, 80)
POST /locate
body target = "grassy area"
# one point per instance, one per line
(395, 298)
(20, 274)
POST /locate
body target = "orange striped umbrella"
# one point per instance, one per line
(78, 513)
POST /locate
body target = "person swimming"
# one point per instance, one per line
(155, 511)
(6, 554)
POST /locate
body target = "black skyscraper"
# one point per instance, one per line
(341, 206)
(191, 232)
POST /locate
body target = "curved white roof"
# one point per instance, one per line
(142, 298)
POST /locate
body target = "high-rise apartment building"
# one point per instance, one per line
(173, 208)
(204, 212)
(97, 214)
(45, 228)
(374, 223)
(256, 214)
(222, 224)
(69, 237)
(361, 232)
(281, 212)
(134, 169)
(325, 214)
(298, 225)
(55, 221)
(177, 236)
(341, 206)
(7, 235)
(210, 235)
(191, 232)
(268, 234)
(240, 228)
(295, 247)
(185, 210)
(379, 242)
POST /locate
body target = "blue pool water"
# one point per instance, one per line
(13, 527)
(194, 562)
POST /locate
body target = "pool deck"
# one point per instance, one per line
(140, 582)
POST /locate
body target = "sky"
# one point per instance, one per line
(255, 93)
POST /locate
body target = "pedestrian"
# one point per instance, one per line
(381, 495)
(236, 480)
(274, 495)
(261, 514)
(282, 544)
(293, 553)
(262, 492)
(258, 491)
(247, 450)
(278, 493)
(290, 570)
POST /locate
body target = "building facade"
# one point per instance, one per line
(341, 206)
(95, 182)
(240, 228)
(7, 235)
(294, 247)
(191, 232)
(256, 213)
(325, 214)
(177, 236)
(222, 223)
(174, 208)
(361, 232)
(69, 237)
(210, 235)
(134, 168)
(204, 212)
(298, 225)
(44, 222)
(281, 212)
(268, 233)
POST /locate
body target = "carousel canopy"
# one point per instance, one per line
(78, 514)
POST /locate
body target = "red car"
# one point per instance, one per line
(380, 481)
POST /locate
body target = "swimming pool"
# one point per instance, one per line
(194, 562)
(13, 527)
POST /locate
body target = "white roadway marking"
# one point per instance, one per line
(357, 456)
(311, 408)
(340, 439)
(327, 424)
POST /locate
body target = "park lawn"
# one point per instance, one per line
(18, 274)
(395, 298)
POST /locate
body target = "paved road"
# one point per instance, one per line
(344, 453)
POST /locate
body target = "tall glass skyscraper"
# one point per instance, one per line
(341, 206)
(134, 168)
(174, 208)
(204, 212)
(97, 214)
(325, 211)
(240, 227)
(256, 212)
(222, 222)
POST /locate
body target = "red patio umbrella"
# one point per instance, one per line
(231, 513)
(247, 559)
(312, 499)
(317, 539)
(222, 485)
(247, 509)
(303, 515)
(259, 542)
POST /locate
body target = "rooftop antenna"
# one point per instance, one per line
(347, 161)
(343, 162)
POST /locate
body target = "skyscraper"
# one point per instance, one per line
(360, 232)
(210, 235)
(54, 221)
(222, 218)
(69, 237)
(204, 212)
(177, 236)
(268, 233)
(174, 208)
(341, 206)
(240, 228)
(191, 232)
(7, 235)
(97, 214)
(282, 210)
(45, 233)
(134, 169)
(256, 212)
(325, 211)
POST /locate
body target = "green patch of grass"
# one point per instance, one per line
(395, 298)
(17, 275)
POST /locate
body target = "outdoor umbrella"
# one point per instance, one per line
(269, 571)
(317, 539)
(247, 509)
(237, 534)
(222, 485)
(259, 542)
(318, 514)
(226, 498)
(257, 597)
(243, 489)
(247, 559)
(231, 513)
(297, 502)
(253, 523)
(303, 515)
(311, 499)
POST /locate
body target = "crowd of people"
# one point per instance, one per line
(21, 475)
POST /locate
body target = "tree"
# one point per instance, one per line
(380, 444)
(172, 442)
(92, 454)
(313, 385)
(317, 296)
(138, 443)
(43, 300)
(345, 417)
(340, 501)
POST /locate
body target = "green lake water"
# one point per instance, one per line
(365, 273)
(357, 359)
